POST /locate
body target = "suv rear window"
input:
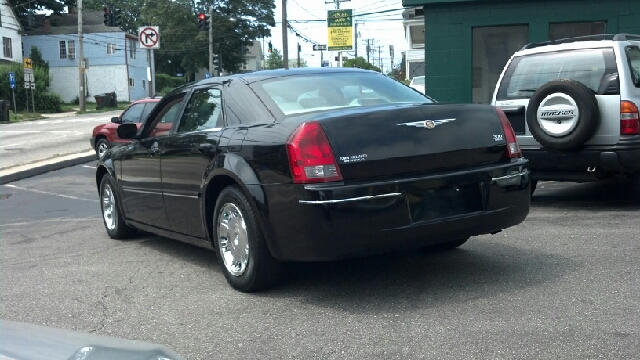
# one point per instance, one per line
(527, 73)
(633, 55)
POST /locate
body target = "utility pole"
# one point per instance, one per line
(356, 41)
(285, 40)
(380, 56)
(81, 92)
(368, 49)
(298, 51)
(212, 71)
(337, 2)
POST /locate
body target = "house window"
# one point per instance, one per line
(63, 49)
(71, 49)
(6, 47)
(143, 85)
(111, 49)
(132, 49)
(132, 82)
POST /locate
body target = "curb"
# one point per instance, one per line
(47, 166)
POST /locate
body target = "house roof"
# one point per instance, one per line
(92, 22)
(12, 14)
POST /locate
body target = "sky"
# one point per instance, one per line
(383, 29)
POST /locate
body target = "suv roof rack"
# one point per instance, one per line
(614, 37)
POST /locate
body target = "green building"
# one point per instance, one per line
(468, 42)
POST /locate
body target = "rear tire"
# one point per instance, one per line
(111, 212)
(450, 245)
(240, 245)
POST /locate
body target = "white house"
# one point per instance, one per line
(11, 32)
(413, 22)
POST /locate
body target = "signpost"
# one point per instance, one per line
(318, 47)
(12, 84)
(29, 82)
(149, 38)
(340, 30)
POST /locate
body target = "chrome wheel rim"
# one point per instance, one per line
(233, 240)
(108, 207)
(102, 148)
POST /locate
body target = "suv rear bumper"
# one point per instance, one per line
(553, 165)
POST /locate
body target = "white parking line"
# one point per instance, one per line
(50, 193)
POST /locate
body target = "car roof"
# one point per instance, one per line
(267, 74)
(581, 45)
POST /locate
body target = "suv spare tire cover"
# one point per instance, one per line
(563, 114)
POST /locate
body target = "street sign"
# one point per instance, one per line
(318, 47)
(207, 75)
(340, 28)
(12, 80)
(344, 58)
(28, 64)
(149, 37)
(28, 77)
(32, 85)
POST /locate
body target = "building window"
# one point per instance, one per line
(6, 47)
(132, 82)
(111, 49)
(492, 48)
(132, 49)
(63, 49)
(143, 85)
(568, 30)
(71, 49)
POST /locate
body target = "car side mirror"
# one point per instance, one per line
(127, 131)
(610, 85)
(116, 120)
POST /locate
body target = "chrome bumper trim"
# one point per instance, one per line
(360, 198)
(511, 176)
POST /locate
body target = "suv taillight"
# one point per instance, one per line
(513, 149)
(629, 118)
(310, 156)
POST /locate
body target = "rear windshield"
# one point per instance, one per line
(299, 94)
(527, 73)
(633, 56)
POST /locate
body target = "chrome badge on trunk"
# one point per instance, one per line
(427, 124)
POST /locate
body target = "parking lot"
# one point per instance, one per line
(564, 284)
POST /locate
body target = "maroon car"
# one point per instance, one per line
(104, 135)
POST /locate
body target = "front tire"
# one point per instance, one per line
(101, 147)
(240, 245)
(111, 212)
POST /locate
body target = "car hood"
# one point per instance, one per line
(22, 341)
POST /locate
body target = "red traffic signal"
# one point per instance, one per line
(203, 22)
(202, 16)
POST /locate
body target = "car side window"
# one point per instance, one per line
(132, 114)
(147, 110)
(203, 111)
(164, 118)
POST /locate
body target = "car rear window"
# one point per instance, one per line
(418, 80)
(526, 74)
(633, 57)
(300, 94)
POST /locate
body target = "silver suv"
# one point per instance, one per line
(573, 104)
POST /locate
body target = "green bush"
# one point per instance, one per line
(44, 101)
(164, 81)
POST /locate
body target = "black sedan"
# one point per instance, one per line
(312, 165)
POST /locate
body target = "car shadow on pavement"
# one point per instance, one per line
(195, 255)
(613, 194)
(403, 281)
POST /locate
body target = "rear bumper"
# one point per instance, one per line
(335, 221)
(550, 165)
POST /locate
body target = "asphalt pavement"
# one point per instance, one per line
(562, 285)
(30, 142)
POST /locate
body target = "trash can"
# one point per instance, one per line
(101, 101)
(4, 110)
(114, 99)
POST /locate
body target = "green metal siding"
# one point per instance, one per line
(449, 25)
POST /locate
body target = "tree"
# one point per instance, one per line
(37, 61)
(294, 63)
(22, 7)
(361, 63)
(274, 60)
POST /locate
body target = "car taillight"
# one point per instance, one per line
(629, 118)
(513, 149)
(310, 156)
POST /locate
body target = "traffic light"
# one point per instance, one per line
(116, 17)
(270, 47)
(203, 22)
(107, 17)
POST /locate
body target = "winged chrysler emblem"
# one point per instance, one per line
(428, 124)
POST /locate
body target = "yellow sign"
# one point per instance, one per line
(340, 29)
(27, 63)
